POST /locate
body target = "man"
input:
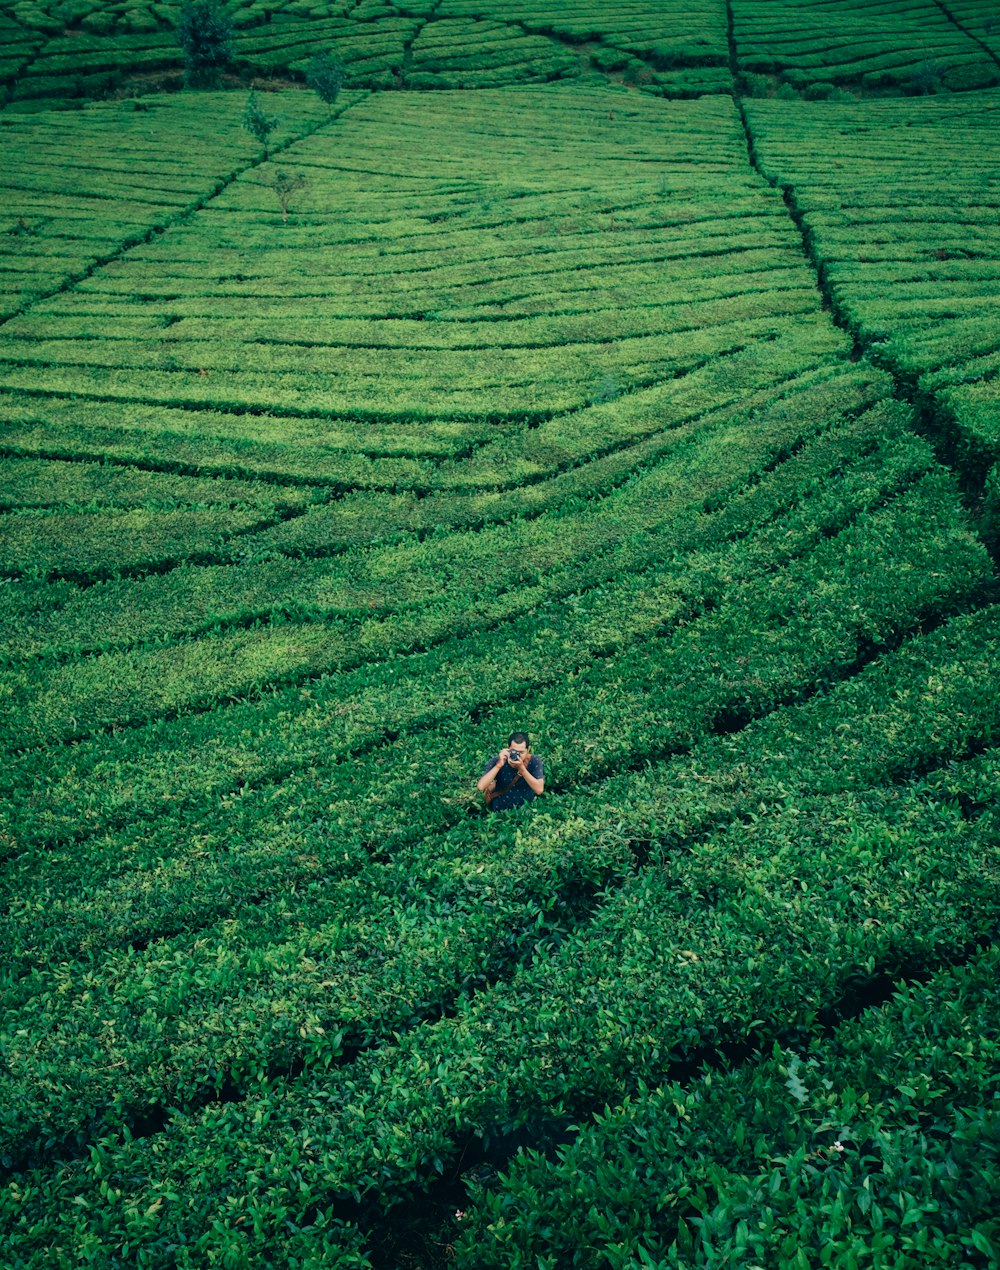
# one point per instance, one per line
(513, 777)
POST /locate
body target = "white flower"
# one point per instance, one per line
(837, 1146)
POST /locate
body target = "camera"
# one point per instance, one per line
(514, 756)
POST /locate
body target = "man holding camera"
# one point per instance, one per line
(513, 777)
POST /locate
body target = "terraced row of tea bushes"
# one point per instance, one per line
(360, 469)
(463, 910)
(978, 18)
(74, 66)
(647, 982)
(341, 456)
(87, 18)
(736, 776)
(373, 51)
(552, 460)
(503, 570)
(370, 797)
(372, 42)
(458, 45)
(911, 46)
(899, 45)
(628, 436)
(285, 451)
(664, 48)
(112, 50)
(89, 545)
(79, 66)
(17, 47)
(51, 483)
(903, 224)
(877, 1141)
(470, 53)
(80, 188)
(788, 505)
(509, 388)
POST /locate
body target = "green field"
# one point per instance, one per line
(622, 371)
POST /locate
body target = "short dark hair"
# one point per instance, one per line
(520, 737)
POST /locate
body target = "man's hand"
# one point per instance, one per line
(523, 761)
(489, 779)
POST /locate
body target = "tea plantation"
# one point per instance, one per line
(623, 371)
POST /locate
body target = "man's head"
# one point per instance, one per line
(518, 745)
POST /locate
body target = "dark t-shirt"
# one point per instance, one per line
(516, 795)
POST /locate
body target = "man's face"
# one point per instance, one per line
(517, 749)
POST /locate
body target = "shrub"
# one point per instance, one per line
(821, 91)
(205, 34)
(926, 78)
(755, 85)
(98, 23)
(608, 59)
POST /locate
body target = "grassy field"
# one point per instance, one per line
(596, 383)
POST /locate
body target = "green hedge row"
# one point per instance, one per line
(709, 390)
(909, 268)
(111, 322)
(363, 800)
(53, 202)
(49, 483)
(371, 396)
(675, 424)
(110, 782)
(705, 652)
(646, 982)
(438, 367)
(665, 36)
(448, 53)
(395, 590)
(877, 1144)
(906, 727)
(366, 517)
(104, 543)
(895, 44)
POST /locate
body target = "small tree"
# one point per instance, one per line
(285, 185)
(325, 75)
(205, 32)
(257, 122)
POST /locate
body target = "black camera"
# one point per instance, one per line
(515, 756)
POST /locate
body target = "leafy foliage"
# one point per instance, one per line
(258, 122)
(297, 523)
(286, 185)
(204, 32)
(325, 75)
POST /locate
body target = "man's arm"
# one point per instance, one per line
(537, 783)
(488, 777)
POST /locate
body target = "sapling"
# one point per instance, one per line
(285, 185)
(257, 122)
